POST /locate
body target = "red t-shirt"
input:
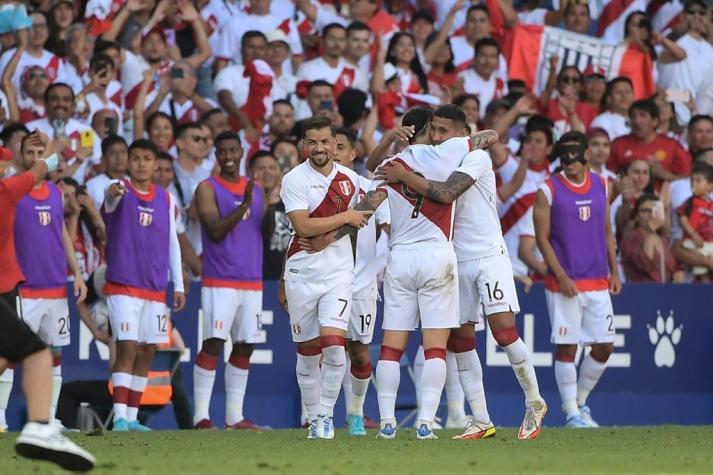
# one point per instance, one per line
(672, 156)
(12, 190)
(585, 112)
(700, 216)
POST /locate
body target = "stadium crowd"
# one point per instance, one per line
(99, 77)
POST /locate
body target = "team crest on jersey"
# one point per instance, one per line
(45, 217)
(124, 326)
(585, 212)
(296, 328)
(145, 219)
(346, 187)
(563, 331)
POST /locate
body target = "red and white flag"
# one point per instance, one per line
(665, 14)
(611, 16)
(259, 104)
(533, 45)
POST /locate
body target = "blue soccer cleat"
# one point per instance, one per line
(577, 422)
(424, 432)
(387, 432)
(355, 425)
(136, 426)
(120, 425)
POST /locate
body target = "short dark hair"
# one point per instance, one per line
(207, 115)
(316, 123)
(283, 102)
(348, 133)
(158, 115)
(250, 34)
(358, 26)
(11, 129)
(701, 3)
(538, 123)
(318, 83)
(143, 144)
(101, 61)
(422, 15)
(161, 155)
(698, 118)
(573, 136)
(485, 42)
(477, 7)
(419, 118)
(260, 154)
(112, 140)
(331, 27)
(56, 85)
(643, 198)
(102, 45)
(227, 135)
(645, 105)
(452, 112)
(352, 105)
(280, 140)
(612, 83)
(702, 168)
(462, 98)
(516, 84)
(183, 128)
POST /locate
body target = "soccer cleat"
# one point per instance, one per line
(204, 424)
(62, 427)
(424, 432)
(120, 425)
(435, 425)
(325, 427)
(355, 425)
(587, 416)
(3, 430)
(312, 429)
(45, 442)
(577, 422)
(458, 422)
(477, 430)
(244, 424)
(136, 426)
(532, 423)
(387, 432)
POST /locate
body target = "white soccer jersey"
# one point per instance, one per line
(232, 34)
(304, 188)
(367, 265)
(477, 226)
(486, 90)
(415, 218)
(615, 124)
(464, 54)
(51, 63)
(344, 72)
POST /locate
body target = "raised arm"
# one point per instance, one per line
(217, 227)
(189, 14)
(7, 85)
(506, 190)
(431, 51)
(379, 153)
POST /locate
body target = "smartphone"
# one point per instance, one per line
(86, 139)
(110, 124)
(678, 95)
(176, 73)
(327, 105)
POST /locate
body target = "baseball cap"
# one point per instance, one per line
(6, 154)
(592, 70)
(277, 35)
(389, 72)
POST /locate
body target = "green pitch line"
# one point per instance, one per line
(637, 449)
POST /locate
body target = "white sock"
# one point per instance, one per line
(6, 380)
(454, 390)
(589, 373)
(432, 382)
(121, 382)
(236, 382)
(388, 377)
(521, 363)
(138, 386)
(333, 370)
(308, 379)
(359, 386)
(418, 361)
(470, 372)
(203, 380)
(56, 388)
(566, 377)
(347, 385)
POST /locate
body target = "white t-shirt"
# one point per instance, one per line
(690, 73)
(477, 226)
(367, 265)
(304, 188)
(54, 66)
(232, 33)
(487, 90)
(416, 219)
(464, 53)
(615, 124)
(96, 188)
(231, 79)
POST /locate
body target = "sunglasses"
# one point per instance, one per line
(694, 11)
(198, 138)
(570, 79)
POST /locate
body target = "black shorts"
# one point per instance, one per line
(17, 341)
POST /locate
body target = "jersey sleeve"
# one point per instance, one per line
(19, 185)
(545, 188)
(475, 164)
(293, 194)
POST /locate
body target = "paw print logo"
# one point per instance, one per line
(665, 336)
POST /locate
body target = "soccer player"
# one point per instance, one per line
(40, 439)
(319, 195)
(231, 210)
(364, 293)
(40, 219)
(571, 215)
(485, 277)
(142, 246)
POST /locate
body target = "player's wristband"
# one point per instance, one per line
(52, 162)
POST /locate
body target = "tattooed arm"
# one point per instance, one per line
(442, 192)
(371, 201)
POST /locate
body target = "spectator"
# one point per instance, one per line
(635, 183)
(160, 131)
(477, 27)
(61, 16)
(287, 154)
(442, 73)
(321, 101)
(358, 45)
(639, 33)
(645, 253)
(217, 121)
(482, 79)
(617, 100)
(27, 103)
(700, 133)
(696, 217)
(565, 110)
(421, 26)
(177, 95)
(105, 122)
(278, 51)
(401, 53)
(668, 123)
(115, 155)
(471, 106)
(600, 148)
(96, 96)
(577, 17)
(280, 123)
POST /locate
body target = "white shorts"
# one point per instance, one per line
(233, 313)
(136, 319)
(317, 304)
(586, 318)
(48, 318)
(421, 283)
(362, 321)
(486, 286)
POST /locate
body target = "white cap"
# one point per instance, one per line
(277, 35)
(389, 71)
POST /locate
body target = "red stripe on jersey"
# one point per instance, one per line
(438, 213)
(517, 211)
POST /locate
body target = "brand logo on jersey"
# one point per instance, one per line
(124, 326)
(296, 329)
(145, 219)
(346, 187)
(563, 331)
(585, 212)
(45, 218)
(218, 325)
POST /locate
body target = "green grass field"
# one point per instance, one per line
(642, 449)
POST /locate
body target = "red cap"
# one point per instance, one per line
(592, 70)
(156, 29)
(5, 154)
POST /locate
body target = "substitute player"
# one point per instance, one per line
(40, 221)
(142, 246)
(40, 439)
(319, 195)
(364, 294)
(485, 277)
(573, 231)
(231, 210)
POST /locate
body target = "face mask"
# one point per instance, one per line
(571, 153)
